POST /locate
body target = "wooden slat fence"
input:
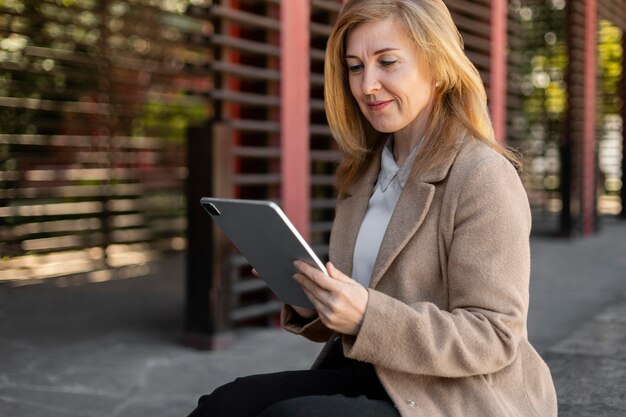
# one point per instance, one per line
(246, 94)
(95, 102)
(95, 98)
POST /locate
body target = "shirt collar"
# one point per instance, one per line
(389, 169)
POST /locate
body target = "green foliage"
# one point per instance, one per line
(544, 88)
(169, 120)
(545, 65)
(610, 55)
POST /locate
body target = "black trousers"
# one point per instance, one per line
(350, 389)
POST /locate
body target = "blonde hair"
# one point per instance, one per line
(459, 102)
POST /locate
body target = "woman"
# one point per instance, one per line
(425, 302)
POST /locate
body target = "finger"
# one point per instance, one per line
(304, 267)
(255, 273)
(317, 303)
(318, 295)
(314, 295)
(308, 284)
(337, 274)
(315, 275)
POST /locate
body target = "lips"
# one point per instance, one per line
(378, 105)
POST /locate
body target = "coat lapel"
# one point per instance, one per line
(407, 217)
(409, 214)
(349, 215)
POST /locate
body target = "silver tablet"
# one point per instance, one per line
(267, 239)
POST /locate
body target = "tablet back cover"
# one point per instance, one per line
(267, 239)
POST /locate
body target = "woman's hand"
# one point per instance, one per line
(339, 300)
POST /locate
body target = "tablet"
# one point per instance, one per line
(267, 239)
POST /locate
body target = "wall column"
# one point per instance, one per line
(294, 117)
(589, 121)
(498, 81)
(623, 112)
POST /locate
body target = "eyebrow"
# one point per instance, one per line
(380, 51)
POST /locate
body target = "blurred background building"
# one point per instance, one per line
(116, 116)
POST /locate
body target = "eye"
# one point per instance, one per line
(355, 68)
(388, 62)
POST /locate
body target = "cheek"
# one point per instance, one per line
(355, 91)
(422, 95)
(353, 87)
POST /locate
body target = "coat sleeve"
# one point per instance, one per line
(487, 273)
(313, 330)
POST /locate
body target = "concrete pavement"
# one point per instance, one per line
(589, 366)
(112, 349)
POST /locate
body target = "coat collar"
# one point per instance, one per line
(389, 169)
(408, 215)
(368, 179)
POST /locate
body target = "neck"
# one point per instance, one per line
(405, 139)
(404, 142)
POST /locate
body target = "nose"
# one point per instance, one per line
(370, 83)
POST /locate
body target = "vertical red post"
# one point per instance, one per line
(294, 113)
(497, 79)
(589, 121)
(623, 97)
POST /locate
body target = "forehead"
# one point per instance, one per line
(377, 35)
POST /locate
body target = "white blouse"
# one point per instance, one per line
(390, 183)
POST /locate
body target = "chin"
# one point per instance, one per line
(384, 128)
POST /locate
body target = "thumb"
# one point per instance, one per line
(337, 274)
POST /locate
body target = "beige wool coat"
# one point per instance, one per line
(445, 323)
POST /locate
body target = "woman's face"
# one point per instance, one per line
(387, 77)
